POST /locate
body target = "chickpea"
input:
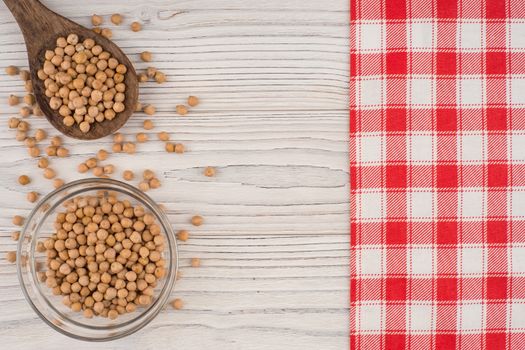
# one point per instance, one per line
(146, 56)
(23, 180)
(179, 148)
(128, 175)
(193, 101)
(13, 100)
(148, 124)
(11, 70)
(49, 173)
(106, 32)
(32, 197)
(183, 235)
(18, 220)
(96, 20)
(149, 110)
(10, 257)
(160, 77)
(163, 136)
(116, 19)
(43, 163)
(40, 135)
(197, 220)
(195, 262)
(24, 75)
(141, 137)
(177, 304)
(209, 171)
(181, 109)
(136, 26)
(57, 183)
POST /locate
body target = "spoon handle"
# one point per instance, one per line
(32, 17)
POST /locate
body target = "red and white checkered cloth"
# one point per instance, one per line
(437, 126)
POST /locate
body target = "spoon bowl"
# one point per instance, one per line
(41, 27)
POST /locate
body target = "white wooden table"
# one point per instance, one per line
(272, 76)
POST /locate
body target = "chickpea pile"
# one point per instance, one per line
(105, 257)
(84, 83)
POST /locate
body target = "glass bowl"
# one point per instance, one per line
(39, 226)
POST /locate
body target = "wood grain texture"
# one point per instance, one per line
(272, 77)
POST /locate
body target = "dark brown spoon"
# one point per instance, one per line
(41, 27)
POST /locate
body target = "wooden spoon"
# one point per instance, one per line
(41, 27)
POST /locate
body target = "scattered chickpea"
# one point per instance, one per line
(23, 180)
(163, 136)
(98, 171)
(141, 137)
(11, 70)
(146, 56)
(97, 30)
(148, 124)
(150, 72)
(15, 235)
(129, 147)
(177, 304)
(136, 26)
(148, 174)
(128, 175)
(144, 186)
(49, 173)
(13, 100)
(37, 111)
(96, 20)
(13, 122)
(57, 183)
(91, 163)
(28, 86)
(43, 163)
(34, 151)
(107, 33)
(24, 75)
(154, 183)
(29, 99)
(62, 152)
(102, 155)
(197, 220)
(11, 257)
(181, 109)
(138, 107)
(179, 148)
(116, 19)
(195, 262)
(40, 135)
(117, 147)
(193, 101)
(56, 141)
(25, 112)
(183, 235)
(82, 168)
(149, 110)
(18, 220)
(51, 151)
(209, 171)
(32, 196)
(109, 169)
(142, 78)
(160, 77)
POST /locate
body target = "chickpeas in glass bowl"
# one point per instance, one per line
(97, 259)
